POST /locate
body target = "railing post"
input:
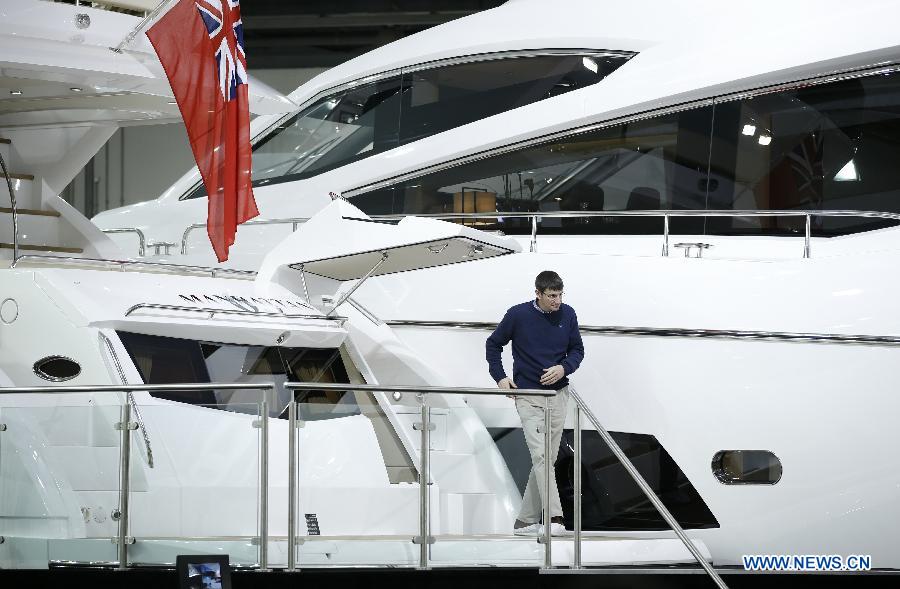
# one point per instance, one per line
(533, 247)
(424, 538)
(548, 556)
(807, 236)
(264, 485)
(649, 492)
(14, 208)
(665, 248)
(292, 486)
(576, 561)
(122, 539)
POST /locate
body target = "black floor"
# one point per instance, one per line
(481, 578)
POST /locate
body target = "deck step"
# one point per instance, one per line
(43, 248)
(6, 152)
(12, 176)
(36, 212)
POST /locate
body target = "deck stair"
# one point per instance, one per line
(40, 230)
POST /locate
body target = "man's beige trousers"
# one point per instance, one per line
(531, 411)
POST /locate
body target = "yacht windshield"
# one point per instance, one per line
(369, 118)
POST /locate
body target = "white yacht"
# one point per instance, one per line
(109, 428)
(717, 186)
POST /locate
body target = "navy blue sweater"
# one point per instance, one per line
(539, 340)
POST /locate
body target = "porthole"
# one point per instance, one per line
(746, 467)
(57, 368)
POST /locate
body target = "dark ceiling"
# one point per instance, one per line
(315, 33)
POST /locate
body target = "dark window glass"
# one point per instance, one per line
(334, 131)
(821, 147)
(652, 164)
(372, 118)
(166, 360)
(442, 98)
(610, 498)
(830, 146)
(746, 467)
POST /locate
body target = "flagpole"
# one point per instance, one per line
(129, 38)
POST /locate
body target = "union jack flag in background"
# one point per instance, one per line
(200, 44)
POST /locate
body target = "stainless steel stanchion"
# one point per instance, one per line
(548, 556)
(292, 487)
(576, 561)
(263, 485)
(424, 538)
(122, 538)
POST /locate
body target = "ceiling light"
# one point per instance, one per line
(765, 139)
(749, 130)
(15, 92)
(75, 89)
(848, 173)
(590, 64)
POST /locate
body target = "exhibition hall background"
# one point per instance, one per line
(287, 44)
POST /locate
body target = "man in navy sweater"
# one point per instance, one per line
(546, 349)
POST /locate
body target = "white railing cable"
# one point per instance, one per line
(129, 38)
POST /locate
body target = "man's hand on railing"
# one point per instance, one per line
(507, 383)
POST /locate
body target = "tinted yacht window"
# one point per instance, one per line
(651, 164)
(829, 146)
(438, 99)
(167, 360)
(371, 118)
(819, 147)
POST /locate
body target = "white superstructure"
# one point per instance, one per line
(777, 344)
(76, 311)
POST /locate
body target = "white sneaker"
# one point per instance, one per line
(529, 530)
(557, 529)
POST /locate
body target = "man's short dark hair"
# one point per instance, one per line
(548, 280)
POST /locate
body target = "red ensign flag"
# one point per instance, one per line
(200, 44)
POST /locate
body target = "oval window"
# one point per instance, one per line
(57, 368)
(746, 467)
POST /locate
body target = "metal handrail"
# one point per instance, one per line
(15, 211)
(126, 426)
(536, 216)
(775, 336)
(641, 483)
(374, 388)
(142, 240)
(134, 406)
(124, 265)
(135, 388)
(294, 221)
(665, 213)
(213, 312)
(424, 539)
(653, 213)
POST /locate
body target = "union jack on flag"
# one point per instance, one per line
(223, 24)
